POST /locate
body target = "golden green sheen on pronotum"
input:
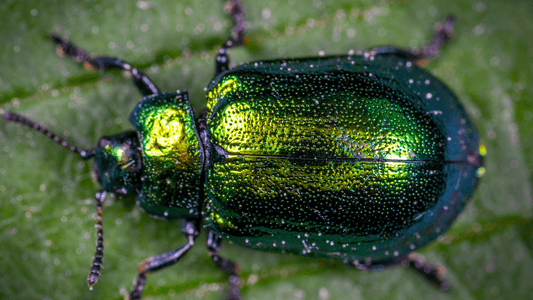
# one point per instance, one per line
(171, 154)
(347, 157)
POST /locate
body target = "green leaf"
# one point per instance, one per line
(47, 194)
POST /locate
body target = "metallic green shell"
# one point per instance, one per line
(172, 156)
(348, 157)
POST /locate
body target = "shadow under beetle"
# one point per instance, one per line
(361, 158)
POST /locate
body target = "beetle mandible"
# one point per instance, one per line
(361, 158)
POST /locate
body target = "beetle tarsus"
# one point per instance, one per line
(443, 33)
(433, 274)
(136, 292)
(236, 9)
(234, 290)
(64, 47)
(420, 57)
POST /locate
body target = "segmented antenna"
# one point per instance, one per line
(99, 255)
(12, 117)
(100, 196)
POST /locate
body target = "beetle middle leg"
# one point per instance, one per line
(236, 10)
(420, 57)
(149, 265)
(143, 83)
(228, 266)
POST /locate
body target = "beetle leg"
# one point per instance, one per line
(236, 9)
(164, 260)
(97, 261)
(414, 261)
(433, 274)
(143, 83)
(420, 57)
(228, 266)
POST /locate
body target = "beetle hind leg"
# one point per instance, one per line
(228, 266)
(431, 273)
(420, 57)
(415, 261)
(141, 81)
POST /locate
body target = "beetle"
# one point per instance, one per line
(361, 158)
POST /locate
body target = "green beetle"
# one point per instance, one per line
(362, 158)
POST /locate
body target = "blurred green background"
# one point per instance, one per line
(46, 193)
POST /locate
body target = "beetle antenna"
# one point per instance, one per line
(99, 255)
(15, 118)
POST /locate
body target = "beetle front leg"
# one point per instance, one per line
(228, 266)
(236, 10)
(164, 260)
(420, 57)
(141, 81)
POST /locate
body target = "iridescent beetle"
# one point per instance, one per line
(362, 158)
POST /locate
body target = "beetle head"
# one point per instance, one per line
(118, 163)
